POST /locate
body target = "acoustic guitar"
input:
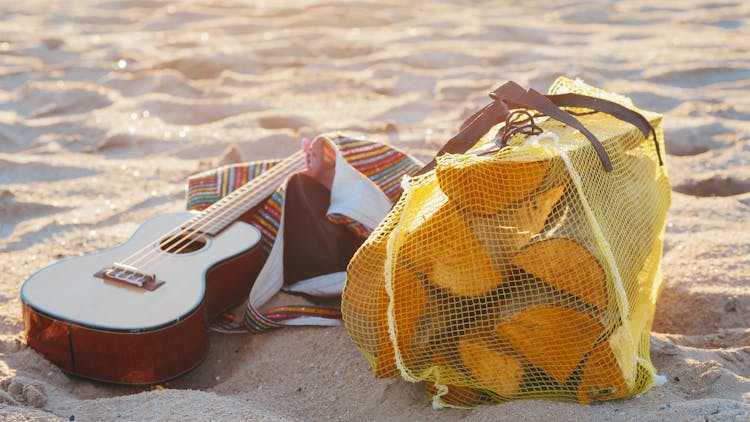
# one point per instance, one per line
(138, 313)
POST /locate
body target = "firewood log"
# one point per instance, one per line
(602, 377)
(504, 233)
(553, 338)
(365, 303)
(409, 300)
(486, 185)
(566, 265)
(495, 369)
(444, 248)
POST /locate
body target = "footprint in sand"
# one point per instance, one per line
(52, 43)
(125, 145)
(727, 24)
(630, 37)
(23, 390)
(587, 15)
(737, 357)
(655, 102)
(435, 59)
(405, 114)
(196, 112)
(30, 172)
(128, 4)
(289, 121)
(685, 137)
(6, 398)
(339, 51)
(212, 66)
(12, 211)
(715, 186)
(273, 146)
(458, 91)
(166, 81)
(179, 18)
(46, 98)
(283, 48)
(698, 77)
(14, 137)
(513, 33)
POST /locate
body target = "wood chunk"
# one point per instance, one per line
(504, 233)
(385, 361)
(486, 185)
(602, 377)
(497, 371)
(409, 301)
(435, 332)
(568, 266)
(450, 368)
(553, 338)
(364, 306)
(530, 214)
(364, 285)
(445, 249)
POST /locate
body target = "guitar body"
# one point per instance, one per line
(99, 327)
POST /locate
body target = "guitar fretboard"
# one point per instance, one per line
(218, 216)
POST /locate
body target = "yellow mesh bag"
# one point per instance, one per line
(526, 272)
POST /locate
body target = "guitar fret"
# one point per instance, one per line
(227, 210)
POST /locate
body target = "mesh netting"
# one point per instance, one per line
(526, 273)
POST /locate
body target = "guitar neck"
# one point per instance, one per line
(218, 216)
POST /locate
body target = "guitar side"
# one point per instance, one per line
(117, 332)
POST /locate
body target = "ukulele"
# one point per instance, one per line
(138, 313)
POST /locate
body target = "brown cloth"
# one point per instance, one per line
(313, 245)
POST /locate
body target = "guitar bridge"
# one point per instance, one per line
(131, 275)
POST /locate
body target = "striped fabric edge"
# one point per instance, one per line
(257, 322)
(384, 164)
(355, 226)
(203, 189)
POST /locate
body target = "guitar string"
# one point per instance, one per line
(178, 246)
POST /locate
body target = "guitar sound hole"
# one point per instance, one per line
(182, 243)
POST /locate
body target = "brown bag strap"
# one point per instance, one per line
(512, 96)
(613, 109)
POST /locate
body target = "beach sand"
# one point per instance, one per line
(106, 107)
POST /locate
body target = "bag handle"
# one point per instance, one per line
(512, 96)
(613, 109)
